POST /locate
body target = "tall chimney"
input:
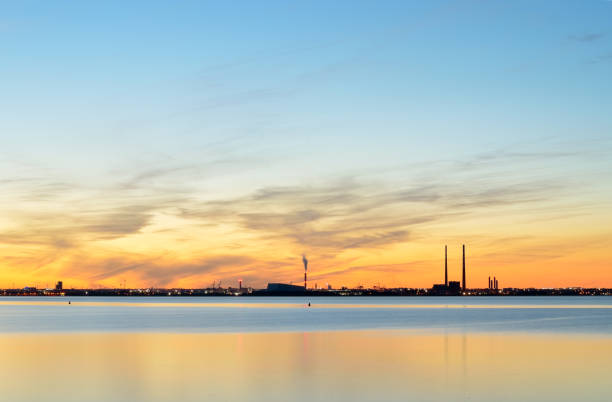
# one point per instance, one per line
(305, 261)
(464, 267)
(445, 266)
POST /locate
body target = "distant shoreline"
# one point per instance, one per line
(230, 292)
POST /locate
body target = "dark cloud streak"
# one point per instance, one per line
(588, 37)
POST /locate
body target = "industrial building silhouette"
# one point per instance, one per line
(451, 288)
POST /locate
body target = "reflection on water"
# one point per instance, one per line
(277, 349)
(259, 314)
(343, 365)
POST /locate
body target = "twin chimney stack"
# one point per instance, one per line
(455, 286)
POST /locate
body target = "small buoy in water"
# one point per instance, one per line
(68, 301)
(308, 304)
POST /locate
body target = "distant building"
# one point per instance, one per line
(439, 288)
(453, 288)
(283, 287)
(59, 285)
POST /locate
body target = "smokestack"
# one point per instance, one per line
(240, 284)
(445, 266)
(305, 261)
(464, 267)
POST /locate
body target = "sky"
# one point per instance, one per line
(177, 144)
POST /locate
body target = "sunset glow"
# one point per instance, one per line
(137, 152)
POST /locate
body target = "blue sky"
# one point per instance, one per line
(218, 100)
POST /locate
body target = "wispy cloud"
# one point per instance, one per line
(349, 213)
(606, 57)
(588, 37)
(335, 219)
(162, 274)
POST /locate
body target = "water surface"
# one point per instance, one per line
(285, 314)
(278, 349)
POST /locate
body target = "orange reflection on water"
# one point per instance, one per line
(353, 365)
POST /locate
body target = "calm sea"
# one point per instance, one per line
(279, 349)
(291, 314)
